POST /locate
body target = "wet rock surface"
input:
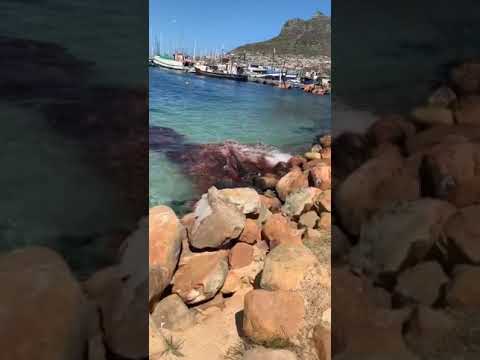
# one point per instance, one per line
(224, 165)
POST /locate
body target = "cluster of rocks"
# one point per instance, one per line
(405, 235)
(246, 275)
(316, 89)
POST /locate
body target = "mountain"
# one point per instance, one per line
(304, 38)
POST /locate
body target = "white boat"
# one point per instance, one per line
(254, 70)
(168, 63)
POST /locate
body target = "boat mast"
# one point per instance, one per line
(156, 45)
(160, 49)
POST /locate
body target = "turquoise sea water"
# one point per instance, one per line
(208, 110)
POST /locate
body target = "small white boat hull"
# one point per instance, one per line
(168, 63)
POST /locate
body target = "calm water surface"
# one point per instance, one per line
(50, 195)
(211, 111)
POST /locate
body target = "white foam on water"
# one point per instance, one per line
(276, 157)
(347, 118)
(256, 153)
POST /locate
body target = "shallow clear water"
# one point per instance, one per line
(208, 110)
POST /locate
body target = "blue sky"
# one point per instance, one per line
(216, 23)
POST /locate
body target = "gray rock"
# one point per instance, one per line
(246, 200)
(201, 278)
(217, 222)
(288, 266)
(309, 219)
(172, 313)
(300, 201)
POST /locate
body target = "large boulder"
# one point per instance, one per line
(301, 201)
(165, 233)
(325, 201)
(172, 313)
(325, 222)
(246, 200)
(401, 232)
(201, 278)
(217, 222)
(287, 267)
(241, 255)
(309, 219)
(251, 233)
(321, 176)
(248, 274)
(232, 283)
(292, 181)
(271, 316)
(45, 314)
(279, 230)
(379, 181)
(270, 202)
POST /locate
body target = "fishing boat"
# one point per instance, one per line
(255, 70)
(167, 63)
(213, 71)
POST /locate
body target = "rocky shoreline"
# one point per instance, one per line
(246, 275)
(405, 236)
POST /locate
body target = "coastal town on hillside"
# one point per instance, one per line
(271, 62)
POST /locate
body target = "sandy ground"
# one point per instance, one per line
(215, 333)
